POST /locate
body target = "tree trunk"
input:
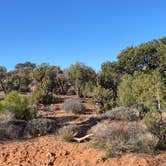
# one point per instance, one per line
(78, 92)
(158, 103)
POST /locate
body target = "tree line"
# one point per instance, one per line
(138, 76)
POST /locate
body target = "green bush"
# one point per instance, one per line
(103, 97)
(40, 97)
(119, 137)
(87, 90)
(39, 127)
(68, 132)
(73, 105)
(18, 105)
(157, 126)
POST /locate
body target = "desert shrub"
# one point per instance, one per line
(68, 132)
(157, 126)
(118, 113)
(38, 127)
(140, 110)
(73, 105)
(15, 129)
(40, 97)
(17, 104)
(133, 113)
(5, 118)
(119, 137)
(10, 128)
(32, 110)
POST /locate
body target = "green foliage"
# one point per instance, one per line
(125, 95)
(40, 97)
(73, 105)
(26, 65)
(39, 127)
(103, 97)
(162, 60)
(48, 77)
(109, 77)
(18, 105)
(23, 75)
(88, 89)
(142, 88)
(62, 84)
(78, 74)
(143, 58)
(3, 73)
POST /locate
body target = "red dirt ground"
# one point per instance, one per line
(49, 150)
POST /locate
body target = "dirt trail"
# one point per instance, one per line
(49, 151)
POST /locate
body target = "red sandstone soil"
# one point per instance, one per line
(48, 150)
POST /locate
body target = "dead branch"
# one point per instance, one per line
(82, 138)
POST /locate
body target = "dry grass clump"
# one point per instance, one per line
(68, 132)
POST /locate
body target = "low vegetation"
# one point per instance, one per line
(41, 98)
(39, 127)
(18, 105)
(68, 132)
(134, 113)
(156, 124)
(120, 137)
(74, 106)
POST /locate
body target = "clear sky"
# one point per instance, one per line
(62, 32)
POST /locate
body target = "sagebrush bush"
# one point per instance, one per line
(18, 105)
(41, 126)
(10, 128)
(157, 126)
(68, 132)
(5, 118)
(133, 113)
(119, 137)
(40, 97)
(118, 113)
(73, 105)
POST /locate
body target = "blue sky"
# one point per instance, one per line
(62, 32)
